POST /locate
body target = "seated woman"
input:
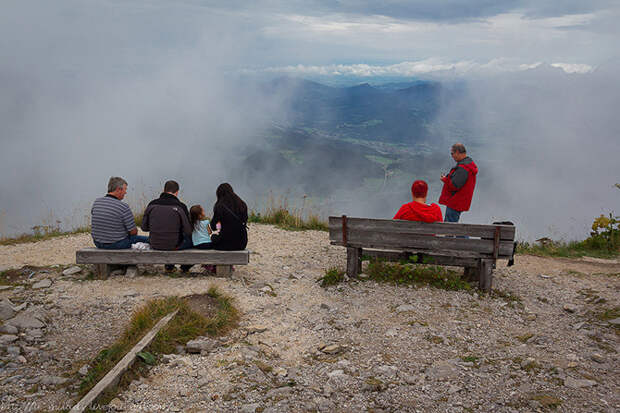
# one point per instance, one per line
(231, 213)
(417, 210)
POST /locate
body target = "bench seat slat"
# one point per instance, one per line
(191, 256)
(406, 241)
(507, 232)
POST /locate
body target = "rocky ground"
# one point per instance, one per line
(539, 343)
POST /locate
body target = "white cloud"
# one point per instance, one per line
(417, 68)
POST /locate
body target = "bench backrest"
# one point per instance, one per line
(485, 241)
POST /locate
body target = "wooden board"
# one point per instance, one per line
(114, 375)
(191, 256)
(507, 232)
(434, 259)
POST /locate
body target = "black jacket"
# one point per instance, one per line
(167, 219)
(233, 235)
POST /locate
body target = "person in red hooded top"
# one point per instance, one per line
(418, 210)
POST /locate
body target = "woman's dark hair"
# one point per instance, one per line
(226, 196)
(195, 213)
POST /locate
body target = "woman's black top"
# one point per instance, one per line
(234, 234)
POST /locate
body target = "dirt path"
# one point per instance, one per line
(358, 346)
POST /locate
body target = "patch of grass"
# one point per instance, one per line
(186, 325)
(470, 359)
(592, 247)
(608, 314)
(524, 337)
(416, 274)
(506, 296)
(41, 234)
(332, 276)
(279, 213)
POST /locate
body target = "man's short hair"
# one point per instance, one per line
(116, 182)
(419, 189)
(171, 187)
(459, 147)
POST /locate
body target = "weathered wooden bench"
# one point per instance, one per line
(102, 259)
(474, 247)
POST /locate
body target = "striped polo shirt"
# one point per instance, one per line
(111, 220)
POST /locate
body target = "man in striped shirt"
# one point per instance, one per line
(112, 223)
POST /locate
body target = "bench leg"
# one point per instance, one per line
(354, 261)
(485, 269)
(223, 270)
(102, 271)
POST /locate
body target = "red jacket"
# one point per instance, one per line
(459, 198)
(416, 211)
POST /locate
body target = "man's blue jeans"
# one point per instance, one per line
(452, 215)
(123, 244)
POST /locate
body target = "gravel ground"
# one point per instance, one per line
(357, 346)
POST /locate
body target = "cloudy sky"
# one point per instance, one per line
(359, 38)
(143, 88)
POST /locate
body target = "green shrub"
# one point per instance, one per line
(332, 276)
(416, 274)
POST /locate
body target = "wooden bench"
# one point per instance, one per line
(474, 247)
(102, 258)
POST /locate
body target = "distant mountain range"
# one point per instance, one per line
(397, 112)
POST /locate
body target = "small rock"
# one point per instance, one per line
(45, 283)
(116, 404)
(577, 384)
(577, 326)
(34, 332)
(22, 359)
(404, 308)
(7, 338)
(5, 287)
(442, 370)
(332, 349)
(528, 363)
(83, 370)
(280, 391)
(387, 371)
(131, 271)
(6, 309)
(570, 308)
(24, 321)
(324, 306)
(544, 276)
(249, 408)
(280, 372)
(256, 329)
(598, 358)
(391, 332)
(130, 293)
(335, 373)
(52, 380)
(201, 344)
(615, 322)
(72, 270)
(13, 350)
(7, 329)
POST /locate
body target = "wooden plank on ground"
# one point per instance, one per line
(190, 256)
(114, 375)
(507, 232)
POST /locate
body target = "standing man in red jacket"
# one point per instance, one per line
(459, 184)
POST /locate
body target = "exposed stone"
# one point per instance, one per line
(83, 370)
(24, 321)
(578, 383)
(598, 358)
(570, 308)
(6, 309)
(201, 344)
(72, 270)
(614, 322)
(5, 287)
(44, 283)
(249, 408)
(7, 338)
(332, 349)
(13, 350)
(280, 391)
(116, 404)
(8, 329)
(442, 370)
(256, 329)
(131, 271)
(53, 380)
(403, 308)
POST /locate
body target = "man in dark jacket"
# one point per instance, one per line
(167, 220)
(459, 184)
